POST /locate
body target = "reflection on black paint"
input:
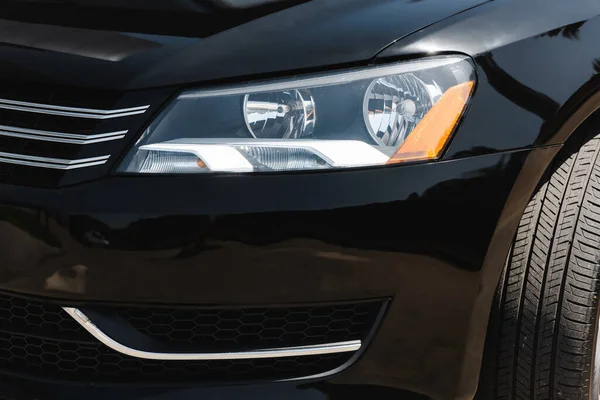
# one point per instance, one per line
(113, 16)
(569, 31)
(422, 223)
(34, 223)
(515, 91)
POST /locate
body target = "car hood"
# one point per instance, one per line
(152, 43)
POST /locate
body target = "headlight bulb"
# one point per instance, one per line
(393, 106)
(280, 115)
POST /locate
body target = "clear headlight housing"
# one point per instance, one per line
(368, 117)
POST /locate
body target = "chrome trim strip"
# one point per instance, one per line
(74, 109)
(52, 160)
(51, 163)
(70, 111)
(49, 166)
(330, 348)
(60, 137)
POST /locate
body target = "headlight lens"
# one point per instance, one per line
(376, 116)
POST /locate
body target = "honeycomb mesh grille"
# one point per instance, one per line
(252, 328)
(37, 318)
(40, 340)
(80, 361)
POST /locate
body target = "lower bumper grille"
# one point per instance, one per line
(41, 340)
(238, 329)
(94, 362)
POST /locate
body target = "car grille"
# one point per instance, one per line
(238, 329)
(56, 136)
(40, 340)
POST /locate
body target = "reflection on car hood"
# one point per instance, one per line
(147, 43)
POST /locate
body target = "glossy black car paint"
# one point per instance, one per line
(433, 236)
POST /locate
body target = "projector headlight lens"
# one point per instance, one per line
(376, 116)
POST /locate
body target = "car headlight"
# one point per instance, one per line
(375, 116)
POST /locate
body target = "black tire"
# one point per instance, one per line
(544, 324)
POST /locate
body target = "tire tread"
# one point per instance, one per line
(543, 325)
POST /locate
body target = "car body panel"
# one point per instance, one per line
(309, 238)
(289, 40)
(539, 92)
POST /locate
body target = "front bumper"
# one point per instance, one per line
(432, 237)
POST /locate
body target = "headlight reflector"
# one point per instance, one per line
(281, 115)
(375, 116)
(394, 105)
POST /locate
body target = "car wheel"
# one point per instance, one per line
(543, 333)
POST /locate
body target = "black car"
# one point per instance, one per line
(295, 199)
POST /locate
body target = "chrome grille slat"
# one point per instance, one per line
(74, 109)
(52, 163)
(50, 166)
(57, 135)
(60, 137)
(70, 111)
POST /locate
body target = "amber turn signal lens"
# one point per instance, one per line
(430, 136)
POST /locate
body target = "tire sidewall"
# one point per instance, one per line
(595, 361)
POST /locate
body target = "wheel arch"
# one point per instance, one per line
(572, 123)
(583, 107)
